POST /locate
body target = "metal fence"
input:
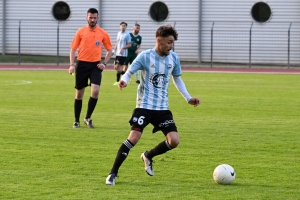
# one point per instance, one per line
(251, 43)
(206, 42)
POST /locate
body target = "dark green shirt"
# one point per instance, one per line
(135, 41)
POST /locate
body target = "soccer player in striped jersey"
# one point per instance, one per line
(158, 65)
(121, 50)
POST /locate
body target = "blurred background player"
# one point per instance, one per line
(121, 50)
(133, 51)
(89, 39)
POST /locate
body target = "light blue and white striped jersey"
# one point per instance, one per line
(152, 91)
(123, 39)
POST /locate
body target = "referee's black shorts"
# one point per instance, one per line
(86, 71)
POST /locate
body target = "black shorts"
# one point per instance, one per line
(162, 120)
(86, 71)
(130, 58)
(120, 60)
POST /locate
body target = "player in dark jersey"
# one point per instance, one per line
(133, 51)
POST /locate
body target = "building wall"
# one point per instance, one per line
(231, 22)
(1, 26)
(38, 27)
(184, 16)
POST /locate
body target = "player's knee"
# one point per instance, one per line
(174, 143)
(134, 136)
(116, 67)
(95, 94)
(173, 139)
(79, 94)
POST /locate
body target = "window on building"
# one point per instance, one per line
(261, 12)
(159, 11)
(61, 11)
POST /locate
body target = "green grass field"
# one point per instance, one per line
(250, 121)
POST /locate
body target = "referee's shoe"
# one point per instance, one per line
(76, 125)
(88, 122)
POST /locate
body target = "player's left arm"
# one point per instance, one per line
(128, 44)
(179, 84)
(139, 46)
(108, 47)
(137, 51)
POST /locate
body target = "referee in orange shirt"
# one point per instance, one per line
(89, 40)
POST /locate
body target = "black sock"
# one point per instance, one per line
(161, 148)
(121, 156)
(118, 76)
(91, 106)
(123, 72)
(77, 109)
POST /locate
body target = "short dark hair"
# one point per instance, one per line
(92, 10)
(136, 25)
(123, 23)
(165, 31)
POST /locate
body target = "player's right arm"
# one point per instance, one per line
(74, 45)
(117, 44)
(124, 80)
(72, 58)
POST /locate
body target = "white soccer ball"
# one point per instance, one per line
(224, 174)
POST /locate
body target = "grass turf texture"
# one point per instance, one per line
(250, 121)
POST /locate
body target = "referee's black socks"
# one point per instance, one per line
(77, 109)
(91, 106)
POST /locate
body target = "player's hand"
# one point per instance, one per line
(194, 101)
(122, 84)
(101, 66)
(71, 69)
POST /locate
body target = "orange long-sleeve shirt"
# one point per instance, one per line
(89, 42)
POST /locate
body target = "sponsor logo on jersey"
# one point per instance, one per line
(166, 123)
(135, 119)
(158, 80)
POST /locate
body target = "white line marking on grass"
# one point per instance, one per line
(21, 82)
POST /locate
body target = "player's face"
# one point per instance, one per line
(123, 27)
(136, 30)
(165, 45)
(92, 19)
